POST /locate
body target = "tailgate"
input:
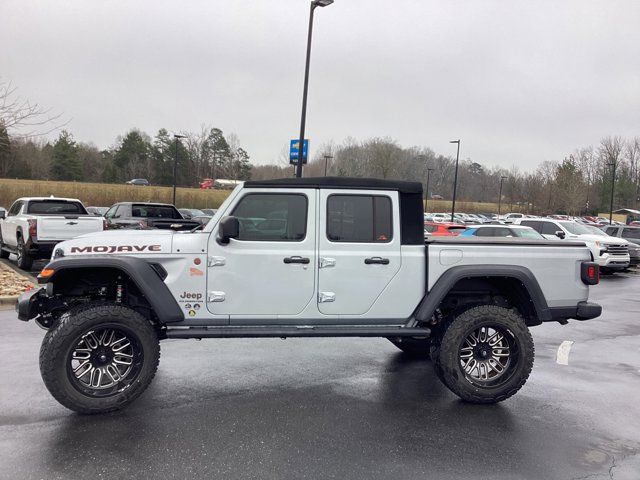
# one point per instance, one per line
(65, 228)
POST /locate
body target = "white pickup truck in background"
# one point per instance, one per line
(34, 226)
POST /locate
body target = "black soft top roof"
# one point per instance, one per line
(338, 182)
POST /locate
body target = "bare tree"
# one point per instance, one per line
(22, 118)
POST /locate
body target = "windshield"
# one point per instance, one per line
(575, 228)
(55, 207)
(596, 231)
(527, 233)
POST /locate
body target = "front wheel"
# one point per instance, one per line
(485, 354)
(99, 358)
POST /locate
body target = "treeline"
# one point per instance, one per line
(207, 153)
(580, 183)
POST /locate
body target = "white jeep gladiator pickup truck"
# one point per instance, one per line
(310, 257)
(33, 226)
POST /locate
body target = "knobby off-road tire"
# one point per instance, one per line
(99, 358)
(485, 354)
(418, 348)
(25, 261)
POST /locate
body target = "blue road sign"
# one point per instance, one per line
(294, 151)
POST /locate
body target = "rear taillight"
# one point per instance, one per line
(33, 228)
(590, 273)
(105, 224)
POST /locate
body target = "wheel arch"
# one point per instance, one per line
(466, 284)
(147, 278)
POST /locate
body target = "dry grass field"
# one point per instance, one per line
(106, 194)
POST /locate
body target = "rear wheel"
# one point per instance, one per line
(99, 358)
(413, 347)
(485, 354)
(25, 261)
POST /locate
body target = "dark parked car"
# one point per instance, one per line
(142, 182)
(147, 215)
(631, 234)
(97, 211)
(209, 211)
(189, 213)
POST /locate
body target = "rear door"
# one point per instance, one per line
(359, 249)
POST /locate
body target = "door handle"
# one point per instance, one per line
(376, 261)
(296, 259)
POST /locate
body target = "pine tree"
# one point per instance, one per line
(66, 164)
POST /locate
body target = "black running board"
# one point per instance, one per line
(295, 331)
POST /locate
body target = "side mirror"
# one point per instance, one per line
(229, 228)
(3, 214)
(560, 234)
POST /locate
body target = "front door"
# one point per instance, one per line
(269, 270)
(359, 249)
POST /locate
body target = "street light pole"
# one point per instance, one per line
(613, 188)
(455, 179)
(326, 160)
(426, 194)
(175, 165)
(303, 119)
(502, 179)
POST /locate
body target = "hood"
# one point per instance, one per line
(119, 242)
(598, 238)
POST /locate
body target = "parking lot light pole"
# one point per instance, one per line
(326, 160)
(303, 119)
(426, 194)
(455, 180)
(175, 165)
(613, 188)
(502, 179)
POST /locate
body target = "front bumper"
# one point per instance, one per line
(582, 311)
(29, 304)
(613, 262)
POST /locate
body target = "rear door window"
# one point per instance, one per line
(359, 218)
(537, 226)
(485, 232)
(631, 232)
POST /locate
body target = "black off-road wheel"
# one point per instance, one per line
(25, 261)
(418, 348)
(99, 358)
(484, 355)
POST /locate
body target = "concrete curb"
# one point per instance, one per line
(8, 299)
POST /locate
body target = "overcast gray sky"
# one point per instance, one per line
(519, 82)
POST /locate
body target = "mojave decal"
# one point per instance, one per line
(116, 248)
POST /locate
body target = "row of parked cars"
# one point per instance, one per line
(614, 246)
(33, 226)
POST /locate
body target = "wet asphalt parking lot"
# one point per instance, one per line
(338, 408)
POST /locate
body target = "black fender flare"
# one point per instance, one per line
(139, 270)
(445, 283)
